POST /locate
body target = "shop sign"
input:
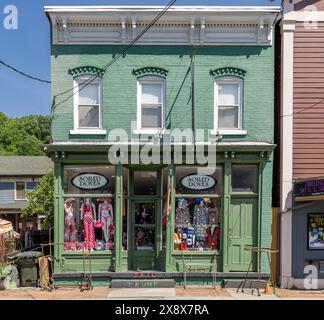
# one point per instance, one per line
(315, 231)
(89, 181)
(309, 188)
(198, 182)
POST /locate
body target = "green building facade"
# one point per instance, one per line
(210, 70)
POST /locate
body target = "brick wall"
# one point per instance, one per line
(119, 85)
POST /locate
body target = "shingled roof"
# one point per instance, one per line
(24, 165)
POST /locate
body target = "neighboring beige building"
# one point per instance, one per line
(302, 150)
(17, 174)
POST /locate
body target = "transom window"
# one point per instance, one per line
(228, 103)
(150, 109)
(87, 103)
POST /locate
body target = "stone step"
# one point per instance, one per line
(147, 293)
(142, 283)
(250, 283)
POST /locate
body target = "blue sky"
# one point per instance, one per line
(28, 49)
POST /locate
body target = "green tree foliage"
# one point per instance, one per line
(41, 199)
(24, 136)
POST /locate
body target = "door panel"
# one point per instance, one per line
(143, 235)
(242, 231)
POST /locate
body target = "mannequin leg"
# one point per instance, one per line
(89, 237)
(105, 229)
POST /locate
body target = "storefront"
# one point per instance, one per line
(159, 215)
(307, 232)
(153, 217)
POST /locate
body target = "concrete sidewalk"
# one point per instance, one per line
(105, 293)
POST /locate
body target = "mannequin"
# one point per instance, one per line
(70, 228)
(182, 217)
(106, 215)
(201, 219)
(88, 215)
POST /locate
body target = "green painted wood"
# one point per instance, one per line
(118, 217)
(226, 208)
(242, 231)
(170, 223)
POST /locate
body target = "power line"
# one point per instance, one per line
(278, 14)
(84, 84)
(23, 73)
(302, 110)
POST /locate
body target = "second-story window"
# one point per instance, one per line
(228, 103)
(20, 190)
(88, 103)
(150, 108)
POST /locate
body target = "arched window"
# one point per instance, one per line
(228, 104)
(150, 103)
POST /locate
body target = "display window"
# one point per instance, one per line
(89, 224)
(197, 224)
(244, 178)
(145, 216)
(145, 183)
(315, 231)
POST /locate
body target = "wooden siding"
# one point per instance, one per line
(303, 4)
(308, 140)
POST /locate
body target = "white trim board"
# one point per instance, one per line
(180, 25)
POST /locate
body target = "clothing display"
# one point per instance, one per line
(189, 236)
(199, 231)
(182, 217)
(88, 214)
(70, 228)
(212, 239)
(200, 220)
(106, 216)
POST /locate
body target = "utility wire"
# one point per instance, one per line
(84, 84)
(23, 73)
(278, 14)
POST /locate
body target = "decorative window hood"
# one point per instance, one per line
(208, 25)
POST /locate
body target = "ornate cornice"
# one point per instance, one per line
(86, 70)
(150, 70)
(228, 71)
(206, 25)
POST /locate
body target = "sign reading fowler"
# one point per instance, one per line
(89, 181)
(198, 182)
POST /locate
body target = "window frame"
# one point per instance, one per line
(229, 80)
(76, 82)
(150, 80)
(16, 198)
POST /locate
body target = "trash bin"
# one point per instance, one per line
(28, 268)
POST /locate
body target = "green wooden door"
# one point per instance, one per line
(143, 238)
(242, 231)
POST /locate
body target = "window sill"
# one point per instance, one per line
(88, 131)
(229, 132)
(151, 131)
